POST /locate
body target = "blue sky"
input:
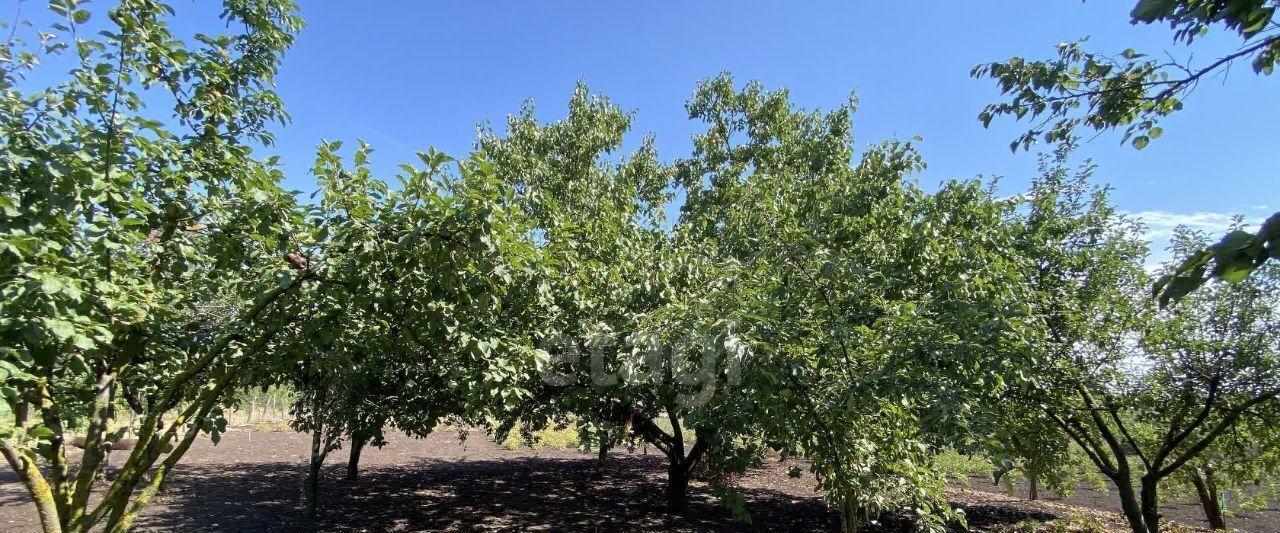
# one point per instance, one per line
(404, 75)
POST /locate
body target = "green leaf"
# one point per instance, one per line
(61, 329)
(1150, 10)
(82, 342)
(1179, 287)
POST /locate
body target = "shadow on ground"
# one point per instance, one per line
(500, 495)
(522, 494)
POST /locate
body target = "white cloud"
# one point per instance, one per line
(1160, 224)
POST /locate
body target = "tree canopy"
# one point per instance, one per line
(778, 290)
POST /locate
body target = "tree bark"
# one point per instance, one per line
(1150, 504)
(602, 457)
(680, 464)
(1035, 494)
(24, 466)
(311, 486)
(125, 523)
(56, 453)
(94, 452)
(1207, 490)
(353, 463)
(680, 470)
(1129, 504)
(850, 518)
(677, 486)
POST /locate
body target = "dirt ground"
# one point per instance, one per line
(251, 481)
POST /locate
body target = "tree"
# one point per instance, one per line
(1131, 90)
(1217, 351)
(138, 261)
(419, 297)
(618, 286)
(858, 292)
(1142, 392)
(1083, 262)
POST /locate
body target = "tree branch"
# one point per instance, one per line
(1172, 444)
(1208, 439)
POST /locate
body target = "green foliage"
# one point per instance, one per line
(1146, 394)
(629, 330)
(811, 299)
(140, 260)
(957, 468)
(418, 310)
(858, 292)
(1101, 92)
(1232, 259)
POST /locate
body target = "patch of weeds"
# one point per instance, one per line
(1073, 523)
(550, 436)
(957, 467)
(272, 427)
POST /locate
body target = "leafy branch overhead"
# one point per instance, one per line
(1083, 89)
(1086, 90)
(1231, 259)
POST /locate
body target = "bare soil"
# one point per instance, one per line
(251, 481)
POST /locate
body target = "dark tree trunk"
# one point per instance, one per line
(311, 486)
(677, 487)
(850, 517)
(1207, 490)
(602, 458)
(1150, 505)
(680, 470)
(1129, 504)
(353, 463)
(680, 464)
(1035, 493)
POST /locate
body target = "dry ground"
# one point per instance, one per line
(251, 481)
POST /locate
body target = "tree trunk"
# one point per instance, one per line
(353, 463)
(679, 463)
(1207, 490)
(678, 467)
(1129, 504)
(850, 519)
(94, 452)
(602, 457)
(311, 486)
(1035, 494)
(125, 523)
(677, 486)
(24, 466)
(1150, 504)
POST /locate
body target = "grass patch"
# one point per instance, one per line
(276, 426)
(548, 437)
(958, 467)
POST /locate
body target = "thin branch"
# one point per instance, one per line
(1084, 443)
(1173, 85)
(1208, 439)
(1122, 461)
(1171, 444)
